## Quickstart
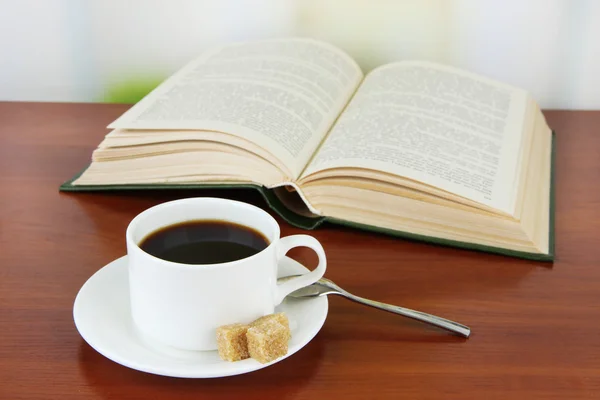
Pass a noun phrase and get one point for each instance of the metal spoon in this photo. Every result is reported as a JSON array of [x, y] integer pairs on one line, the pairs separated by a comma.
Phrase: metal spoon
[[324, 287]]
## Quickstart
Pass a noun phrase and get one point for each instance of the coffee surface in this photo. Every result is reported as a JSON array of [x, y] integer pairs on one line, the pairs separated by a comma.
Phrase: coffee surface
[[204, 242]]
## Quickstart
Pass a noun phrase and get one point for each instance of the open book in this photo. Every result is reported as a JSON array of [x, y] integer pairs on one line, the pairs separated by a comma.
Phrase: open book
[[413, 148]]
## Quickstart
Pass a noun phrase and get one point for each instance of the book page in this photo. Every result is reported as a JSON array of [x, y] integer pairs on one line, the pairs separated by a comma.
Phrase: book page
[[437, 125], [283, 95]]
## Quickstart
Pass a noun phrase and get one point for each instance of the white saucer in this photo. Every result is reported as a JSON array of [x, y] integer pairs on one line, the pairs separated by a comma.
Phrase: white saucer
[[102, 316]]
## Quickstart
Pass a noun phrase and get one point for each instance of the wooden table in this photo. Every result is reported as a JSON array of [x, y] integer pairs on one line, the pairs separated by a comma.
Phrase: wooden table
[[536, 326]]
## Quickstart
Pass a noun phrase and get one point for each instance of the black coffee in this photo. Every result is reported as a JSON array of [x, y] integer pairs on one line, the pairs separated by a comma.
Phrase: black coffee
[[204, 242]]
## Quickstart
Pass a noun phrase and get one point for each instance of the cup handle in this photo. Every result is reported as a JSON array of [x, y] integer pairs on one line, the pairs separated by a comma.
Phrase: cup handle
[[286, 244]]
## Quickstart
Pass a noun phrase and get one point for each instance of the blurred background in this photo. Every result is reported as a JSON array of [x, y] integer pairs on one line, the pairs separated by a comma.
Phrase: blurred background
[[119, 50]]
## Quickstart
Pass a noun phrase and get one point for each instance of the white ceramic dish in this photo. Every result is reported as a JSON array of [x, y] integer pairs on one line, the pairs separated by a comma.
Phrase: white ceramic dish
[[102, 317]]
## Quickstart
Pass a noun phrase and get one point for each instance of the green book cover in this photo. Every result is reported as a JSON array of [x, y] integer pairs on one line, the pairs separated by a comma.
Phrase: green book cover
[[310, 223]]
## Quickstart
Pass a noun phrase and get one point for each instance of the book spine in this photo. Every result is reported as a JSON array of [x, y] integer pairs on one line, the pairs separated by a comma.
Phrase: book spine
[[301, 195]]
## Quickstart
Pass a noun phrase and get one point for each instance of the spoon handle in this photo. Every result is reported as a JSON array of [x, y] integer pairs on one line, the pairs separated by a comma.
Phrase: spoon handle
[[443, 323]]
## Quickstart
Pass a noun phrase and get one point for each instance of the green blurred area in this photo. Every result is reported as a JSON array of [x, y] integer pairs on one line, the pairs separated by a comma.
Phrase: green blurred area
[[130, 90]]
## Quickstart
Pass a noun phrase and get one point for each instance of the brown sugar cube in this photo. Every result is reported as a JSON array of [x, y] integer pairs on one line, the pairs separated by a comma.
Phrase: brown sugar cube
[[232, 343], [279, 317], [268, 340]]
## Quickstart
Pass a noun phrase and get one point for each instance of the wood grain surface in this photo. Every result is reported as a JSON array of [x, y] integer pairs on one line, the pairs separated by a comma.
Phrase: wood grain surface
[[536, 326]]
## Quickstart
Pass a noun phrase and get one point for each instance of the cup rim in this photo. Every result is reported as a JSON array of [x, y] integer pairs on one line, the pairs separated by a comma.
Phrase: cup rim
[[132, 225]]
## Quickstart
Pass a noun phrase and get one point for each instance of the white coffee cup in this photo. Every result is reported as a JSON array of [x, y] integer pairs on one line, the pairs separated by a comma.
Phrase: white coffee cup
[[181, 305]]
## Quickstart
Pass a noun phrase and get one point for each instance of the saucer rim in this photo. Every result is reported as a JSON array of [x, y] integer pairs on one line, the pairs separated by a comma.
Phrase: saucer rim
[[241, 368]]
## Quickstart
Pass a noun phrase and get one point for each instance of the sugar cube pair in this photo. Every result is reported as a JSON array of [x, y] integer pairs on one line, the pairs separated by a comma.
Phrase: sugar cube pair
[[265, 339]]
